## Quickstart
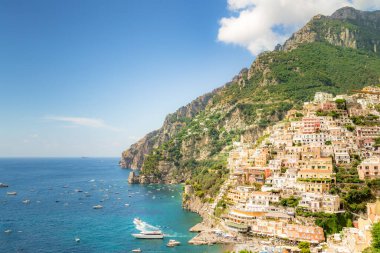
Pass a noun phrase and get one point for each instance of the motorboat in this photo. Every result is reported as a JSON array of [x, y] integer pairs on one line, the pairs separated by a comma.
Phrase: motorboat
[[136, 250], [173, 243], [11, 193], [98, 207], [77, 239], [149, 235], [3, 185], [26, 201]]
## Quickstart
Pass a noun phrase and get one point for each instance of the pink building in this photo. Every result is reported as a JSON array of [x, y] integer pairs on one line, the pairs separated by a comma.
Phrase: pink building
[[310, 125]]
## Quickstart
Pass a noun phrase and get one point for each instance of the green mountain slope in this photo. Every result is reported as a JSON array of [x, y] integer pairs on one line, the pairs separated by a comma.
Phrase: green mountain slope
[[193, 142]]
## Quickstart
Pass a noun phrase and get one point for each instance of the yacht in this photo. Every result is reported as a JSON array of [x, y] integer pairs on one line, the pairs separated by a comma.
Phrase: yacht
[[149, 235]]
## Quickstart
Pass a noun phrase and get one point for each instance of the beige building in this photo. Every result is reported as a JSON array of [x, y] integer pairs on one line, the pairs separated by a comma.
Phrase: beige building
[[369, 168], [240, 194]]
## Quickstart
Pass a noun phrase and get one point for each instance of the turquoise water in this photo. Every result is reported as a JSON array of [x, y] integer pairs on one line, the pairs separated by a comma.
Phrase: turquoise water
[[62, 193]]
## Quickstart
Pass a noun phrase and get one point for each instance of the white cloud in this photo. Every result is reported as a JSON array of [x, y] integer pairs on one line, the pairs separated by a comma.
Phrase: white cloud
[[81, 121], [260, 25], [366, 4]]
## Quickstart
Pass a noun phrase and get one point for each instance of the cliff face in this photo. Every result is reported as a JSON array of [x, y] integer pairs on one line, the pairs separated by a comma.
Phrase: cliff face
[[134, 156], [322, 56]]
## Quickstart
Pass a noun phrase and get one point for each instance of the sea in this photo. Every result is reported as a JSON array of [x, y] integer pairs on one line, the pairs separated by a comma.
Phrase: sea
[[54, 206]]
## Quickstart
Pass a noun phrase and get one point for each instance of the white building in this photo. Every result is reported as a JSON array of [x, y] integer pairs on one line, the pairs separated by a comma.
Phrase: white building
[[321, 97], [316, 202]]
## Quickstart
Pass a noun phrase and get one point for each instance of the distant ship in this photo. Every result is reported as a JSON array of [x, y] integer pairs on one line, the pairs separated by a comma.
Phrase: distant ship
[[149, 235]]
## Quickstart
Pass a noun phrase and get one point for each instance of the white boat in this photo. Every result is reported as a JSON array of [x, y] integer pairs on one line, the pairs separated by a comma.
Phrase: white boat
[[149, 235], [137, 221], [77, 239], [136, 250], [173, 243], [27, 201], [11, 193], [98, 207]]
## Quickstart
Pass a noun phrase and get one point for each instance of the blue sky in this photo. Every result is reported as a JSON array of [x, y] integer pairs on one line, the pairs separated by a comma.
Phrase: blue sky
[[87, 78], [90, 77]]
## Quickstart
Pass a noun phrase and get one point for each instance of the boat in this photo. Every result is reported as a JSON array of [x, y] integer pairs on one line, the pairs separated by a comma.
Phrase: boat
[[136, 250], [11, 193], [27, 201], [77, 239], [149, 235], [137, 221], [98, 207], [3, 185], [173, 243]]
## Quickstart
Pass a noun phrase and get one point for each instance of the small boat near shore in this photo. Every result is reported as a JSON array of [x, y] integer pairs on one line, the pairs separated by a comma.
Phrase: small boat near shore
[[173, 243], [149, 235]]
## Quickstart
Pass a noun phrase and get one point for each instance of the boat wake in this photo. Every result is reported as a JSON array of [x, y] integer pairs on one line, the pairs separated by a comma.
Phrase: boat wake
[[175, 235], [144, 226]]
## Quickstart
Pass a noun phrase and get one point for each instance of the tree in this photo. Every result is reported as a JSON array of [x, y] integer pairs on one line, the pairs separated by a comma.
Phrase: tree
[[289, 202], [376, 236], [341, 104], [304, 247], [375, 246]]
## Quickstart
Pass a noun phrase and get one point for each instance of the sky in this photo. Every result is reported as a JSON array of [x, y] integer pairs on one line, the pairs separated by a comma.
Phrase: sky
[[91, 77]]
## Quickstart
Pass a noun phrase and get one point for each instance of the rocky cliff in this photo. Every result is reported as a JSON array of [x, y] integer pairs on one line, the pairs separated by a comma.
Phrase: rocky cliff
[[134, 156], [333, 54], [346, 27]]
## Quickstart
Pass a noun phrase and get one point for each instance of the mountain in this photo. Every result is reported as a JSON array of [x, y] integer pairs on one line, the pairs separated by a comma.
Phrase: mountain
[[335, 54]]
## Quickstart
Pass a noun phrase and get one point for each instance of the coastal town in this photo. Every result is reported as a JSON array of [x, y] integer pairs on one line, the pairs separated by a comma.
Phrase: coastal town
[[303, 174]]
